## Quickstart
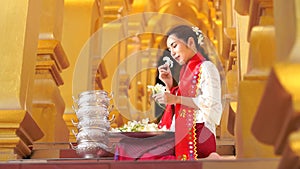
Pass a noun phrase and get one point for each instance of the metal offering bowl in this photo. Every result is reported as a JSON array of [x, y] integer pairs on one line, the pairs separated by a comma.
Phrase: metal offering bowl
[[90, 149], [93, 134], [91, 111], [95, 122]]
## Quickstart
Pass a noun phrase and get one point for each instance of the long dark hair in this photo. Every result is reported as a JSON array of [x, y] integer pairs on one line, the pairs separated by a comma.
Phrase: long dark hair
[[183, 32]]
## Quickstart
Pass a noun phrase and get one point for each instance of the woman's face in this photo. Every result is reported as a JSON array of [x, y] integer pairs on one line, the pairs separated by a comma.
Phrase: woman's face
[[180, 51]]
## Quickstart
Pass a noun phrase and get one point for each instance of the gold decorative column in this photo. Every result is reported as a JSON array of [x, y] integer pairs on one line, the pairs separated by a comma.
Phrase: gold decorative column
[[48, 105], [281, 99], [261, 38], [19, 38], [80, 20]]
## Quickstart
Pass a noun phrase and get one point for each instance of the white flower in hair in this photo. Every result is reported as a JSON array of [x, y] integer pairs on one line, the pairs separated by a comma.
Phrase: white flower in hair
[[199, 34]]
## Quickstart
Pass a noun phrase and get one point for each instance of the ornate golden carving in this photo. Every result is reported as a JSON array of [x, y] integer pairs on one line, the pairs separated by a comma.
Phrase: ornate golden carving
[[18, 130]]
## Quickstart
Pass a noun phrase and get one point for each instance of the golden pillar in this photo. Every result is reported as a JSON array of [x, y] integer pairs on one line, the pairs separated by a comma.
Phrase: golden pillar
[[48, 105], [80, 21], [261, 38], [281, 99], [19, 40]]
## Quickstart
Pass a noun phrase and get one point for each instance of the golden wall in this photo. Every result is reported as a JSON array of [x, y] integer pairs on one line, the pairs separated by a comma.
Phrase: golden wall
[[55, 49]]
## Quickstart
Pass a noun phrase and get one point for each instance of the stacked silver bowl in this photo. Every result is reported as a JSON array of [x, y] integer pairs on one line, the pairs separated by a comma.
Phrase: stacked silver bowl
[[92, 110]]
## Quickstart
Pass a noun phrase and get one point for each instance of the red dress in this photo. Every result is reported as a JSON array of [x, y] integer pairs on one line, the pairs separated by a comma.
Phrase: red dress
[[192, 140]]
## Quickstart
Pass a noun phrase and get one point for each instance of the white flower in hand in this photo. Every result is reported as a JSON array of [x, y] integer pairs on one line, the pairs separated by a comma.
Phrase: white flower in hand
[[158, 88], [168, 61]]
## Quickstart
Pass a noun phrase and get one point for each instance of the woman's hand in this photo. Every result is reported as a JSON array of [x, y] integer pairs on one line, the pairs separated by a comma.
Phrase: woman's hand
[[165, 75], [168, 98], [165, 98]]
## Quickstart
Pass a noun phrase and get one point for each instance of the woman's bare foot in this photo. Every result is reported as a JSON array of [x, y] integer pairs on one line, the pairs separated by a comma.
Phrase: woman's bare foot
[[214, 155]]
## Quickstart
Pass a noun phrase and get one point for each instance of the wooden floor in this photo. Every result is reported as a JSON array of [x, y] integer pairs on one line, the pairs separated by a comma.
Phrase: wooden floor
[[56, 157], [110, 164], [68, 159]]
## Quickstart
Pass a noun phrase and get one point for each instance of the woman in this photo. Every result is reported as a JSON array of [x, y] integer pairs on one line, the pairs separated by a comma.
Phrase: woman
[[194, 106]]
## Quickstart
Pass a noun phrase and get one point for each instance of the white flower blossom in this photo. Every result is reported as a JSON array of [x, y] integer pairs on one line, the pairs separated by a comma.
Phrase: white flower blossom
[[199, 35], [158, 88], [168, 61]]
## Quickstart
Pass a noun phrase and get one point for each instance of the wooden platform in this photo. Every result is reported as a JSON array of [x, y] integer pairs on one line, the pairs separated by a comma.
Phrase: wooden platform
[[225, 147], [110, 164]]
